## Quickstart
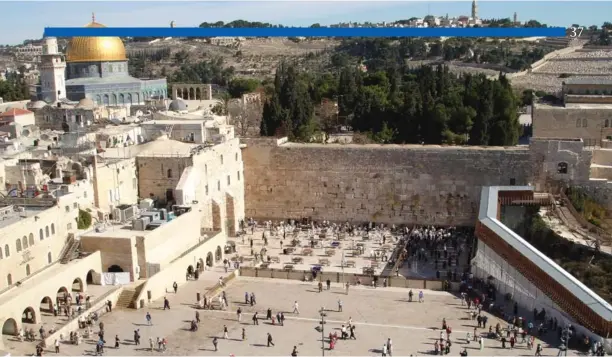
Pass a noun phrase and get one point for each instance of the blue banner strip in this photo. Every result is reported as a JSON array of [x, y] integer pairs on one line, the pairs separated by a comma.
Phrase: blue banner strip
[[303, 32]]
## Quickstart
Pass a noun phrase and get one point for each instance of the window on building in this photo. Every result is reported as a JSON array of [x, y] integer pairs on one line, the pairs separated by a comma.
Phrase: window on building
[[134, 183], [238, 175], [67, 208], [75, 205], [206, 190], [24, 242], [1, 254], [205, 169], [584, 123], [228, 180], [84, 194], [40, 233], [562, 167], [219, 185], [31, 239], [53, 228], [7, 250], [578, 123], [49, 258], [27, 269], [18, 245], [9, 279], [236, 156], [69, 226], [169, 173], [221, 159], [47, 232], [607, 123]]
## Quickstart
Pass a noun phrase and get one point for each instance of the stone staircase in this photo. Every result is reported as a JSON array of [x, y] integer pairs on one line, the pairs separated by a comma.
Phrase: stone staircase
[[127, 298], [71, 251]]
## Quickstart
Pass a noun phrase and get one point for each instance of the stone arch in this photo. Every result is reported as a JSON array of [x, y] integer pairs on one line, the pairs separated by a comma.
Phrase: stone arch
[[209, 259], [185, 93], [61, 295], [18, 245], [89, 279], [191, 93], [77, 285], [129, 98], [113, 99], [98, 99], [200, 265], [24, 242], [46, 305], [121, 99], [106, 99], [31, 239], [28, 316], [7, 250], [198, 93], [9, 327], [169, 173], [52, 228], [218, 254], [115, 269], [41, 234], [28, 271], [9, 279]]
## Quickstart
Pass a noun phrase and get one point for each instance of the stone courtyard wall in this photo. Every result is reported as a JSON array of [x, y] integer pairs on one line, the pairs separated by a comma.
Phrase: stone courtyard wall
[[392, 184]]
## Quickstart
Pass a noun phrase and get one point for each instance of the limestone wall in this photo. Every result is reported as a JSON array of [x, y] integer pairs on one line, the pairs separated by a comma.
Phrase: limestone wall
[[558, 122], [360, 183]]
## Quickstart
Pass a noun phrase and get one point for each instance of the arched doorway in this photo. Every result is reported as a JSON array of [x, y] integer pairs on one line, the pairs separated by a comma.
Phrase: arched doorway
[[201, 265], [218, 254], [77, 285], [9, 327], [90, 277], [28, 316], [115, 269], [46, 305], [209, 259]]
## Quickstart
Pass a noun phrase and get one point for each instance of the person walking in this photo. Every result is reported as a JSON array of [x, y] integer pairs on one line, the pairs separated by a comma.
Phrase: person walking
[[197, 317], [239, 314], [175, 287], [243, 334], [151, 344], [57, 346], [225, 332], [215, 342], [166, 303], [296, 308], [148, 318], [270, 340], [339, 305]]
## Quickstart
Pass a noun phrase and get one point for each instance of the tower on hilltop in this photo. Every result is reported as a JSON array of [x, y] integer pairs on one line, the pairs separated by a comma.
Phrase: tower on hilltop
[[52, 72], [474, 10], [515, 19]]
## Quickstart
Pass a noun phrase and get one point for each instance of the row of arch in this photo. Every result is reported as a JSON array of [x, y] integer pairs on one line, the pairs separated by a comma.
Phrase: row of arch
[[27, 241], [210, 261], [33, 314], [129, 98], [192, 93], [583, 123]]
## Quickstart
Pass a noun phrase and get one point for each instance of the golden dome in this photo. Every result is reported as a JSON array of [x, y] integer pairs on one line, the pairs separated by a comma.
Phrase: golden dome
[[95, 49]]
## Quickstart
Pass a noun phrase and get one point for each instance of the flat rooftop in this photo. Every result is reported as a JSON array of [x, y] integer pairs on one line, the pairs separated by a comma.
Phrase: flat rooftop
[[119, 231], [550, 106], [9, 216]]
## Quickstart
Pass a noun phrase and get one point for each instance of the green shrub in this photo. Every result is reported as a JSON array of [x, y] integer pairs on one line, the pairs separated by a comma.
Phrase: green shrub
[[84, 219]]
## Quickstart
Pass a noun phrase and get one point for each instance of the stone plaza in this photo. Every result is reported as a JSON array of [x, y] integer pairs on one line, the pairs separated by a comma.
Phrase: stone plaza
[[378, 314]]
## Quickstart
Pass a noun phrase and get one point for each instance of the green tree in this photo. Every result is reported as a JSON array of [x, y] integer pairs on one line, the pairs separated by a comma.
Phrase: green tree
[[239, 86]]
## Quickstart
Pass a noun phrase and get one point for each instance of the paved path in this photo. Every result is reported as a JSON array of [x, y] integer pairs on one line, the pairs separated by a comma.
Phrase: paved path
[[378, 314]]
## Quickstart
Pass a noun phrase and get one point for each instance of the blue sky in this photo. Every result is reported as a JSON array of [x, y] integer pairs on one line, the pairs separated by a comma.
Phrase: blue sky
[[27, 19]]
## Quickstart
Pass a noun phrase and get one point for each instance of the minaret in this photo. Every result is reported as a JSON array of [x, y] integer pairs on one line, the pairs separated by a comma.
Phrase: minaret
[[52, 72], [515, 19], [474, 10]]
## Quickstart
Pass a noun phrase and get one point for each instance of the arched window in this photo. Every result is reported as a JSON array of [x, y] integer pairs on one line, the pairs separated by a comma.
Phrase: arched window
[[221, 159], [7, 250], [219, 185], [9, 279], [24, 242], [205, 169], [169, 173], [1, 255], [28, 270], [238, 174], [40, 233], [53, 225], [31, 239], [607, 123], [584, 123], [562, 167], [236, 156], [578, 123], [18, 245], [47, 232], [49, 257]]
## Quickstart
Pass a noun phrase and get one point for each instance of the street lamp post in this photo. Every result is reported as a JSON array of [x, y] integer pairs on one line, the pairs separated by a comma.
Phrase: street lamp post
[[323, 314]]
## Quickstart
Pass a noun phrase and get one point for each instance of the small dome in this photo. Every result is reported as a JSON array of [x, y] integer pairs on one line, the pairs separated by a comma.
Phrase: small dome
[[177, 105], [86, 103]]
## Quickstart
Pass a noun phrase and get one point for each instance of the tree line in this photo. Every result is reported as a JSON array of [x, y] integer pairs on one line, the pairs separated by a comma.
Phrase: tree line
[[395, 104], [14, 87]]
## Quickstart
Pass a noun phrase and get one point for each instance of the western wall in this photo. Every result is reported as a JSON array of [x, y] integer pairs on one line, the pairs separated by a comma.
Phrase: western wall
[[394, 184]]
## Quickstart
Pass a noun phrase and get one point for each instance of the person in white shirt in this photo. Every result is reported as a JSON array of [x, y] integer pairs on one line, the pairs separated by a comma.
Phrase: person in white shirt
[[296, 308]]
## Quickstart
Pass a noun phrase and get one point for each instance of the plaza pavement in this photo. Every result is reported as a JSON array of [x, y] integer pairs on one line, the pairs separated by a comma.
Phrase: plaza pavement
[[378, 314]]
